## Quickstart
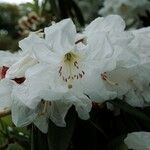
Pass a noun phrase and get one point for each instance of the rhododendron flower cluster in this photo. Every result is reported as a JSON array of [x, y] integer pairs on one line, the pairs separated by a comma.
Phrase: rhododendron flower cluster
[[65, 68], [130, 10]]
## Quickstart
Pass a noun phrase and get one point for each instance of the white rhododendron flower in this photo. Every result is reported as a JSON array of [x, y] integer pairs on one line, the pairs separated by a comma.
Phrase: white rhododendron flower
[[125, 59], [68, 69], [6, 60], [132, 83], [52, 73], [140, 44], [138, 140], [128, 9]]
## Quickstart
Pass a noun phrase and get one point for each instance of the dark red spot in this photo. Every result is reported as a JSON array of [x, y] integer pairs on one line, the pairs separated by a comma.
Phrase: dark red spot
[[3, 71], [95, 105], [19, 80]]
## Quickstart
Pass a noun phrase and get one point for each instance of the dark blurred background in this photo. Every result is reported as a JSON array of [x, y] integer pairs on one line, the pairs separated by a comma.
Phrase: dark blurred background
[[18, 19]]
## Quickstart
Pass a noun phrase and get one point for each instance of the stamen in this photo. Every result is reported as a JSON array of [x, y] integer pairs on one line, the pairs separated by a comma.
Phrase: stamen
[[60, 69], [45, 107], [79, 41], [70, 69], [105, 77], [76, 64], [80, 75]]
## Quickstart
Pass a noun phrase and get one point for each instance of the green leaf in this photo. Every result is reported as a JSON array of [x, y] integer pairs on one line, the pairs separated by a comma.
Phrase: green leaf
[[59, 137], [130, 110], [14, 146]]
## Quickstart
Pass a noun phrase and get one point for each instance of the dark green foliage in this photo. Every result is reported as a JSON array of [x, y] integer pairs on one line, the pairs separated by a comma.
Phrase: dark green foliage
[[66, 8], [13, 138], [9, 15], [104, 131]]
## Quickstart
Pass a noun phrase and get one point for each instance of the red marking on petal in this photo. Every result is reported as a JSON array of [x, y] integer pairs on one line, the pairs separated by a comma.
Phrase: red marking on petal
[[3, 71], [19, 80], [95, 105]]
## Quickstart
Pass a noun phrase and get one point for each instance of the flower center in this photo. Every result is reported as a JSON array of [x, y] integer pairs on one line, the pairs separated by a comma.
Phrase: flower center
[[70, 68]]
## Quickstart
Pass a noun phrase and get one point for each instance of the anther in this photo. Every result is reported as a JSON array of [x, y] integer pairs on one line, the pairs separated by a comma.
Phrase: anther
[[83, 72], [76, 64], [104, 77], [80, 75], [45, 107], [60, 69]]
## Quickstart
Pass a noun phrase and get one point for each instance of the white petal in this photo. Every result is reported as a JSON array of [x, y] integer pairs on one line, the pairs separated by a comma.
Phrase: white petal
[[27, 96], [27, 43], [18, 69], [7, 58], [21, 114], [138, 140], [42, 123], [109, 24], [100, 49], [58, 112], [43, 53], [134, 99], [83, 106], [5, 94], [61, 35], [95, 88]]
